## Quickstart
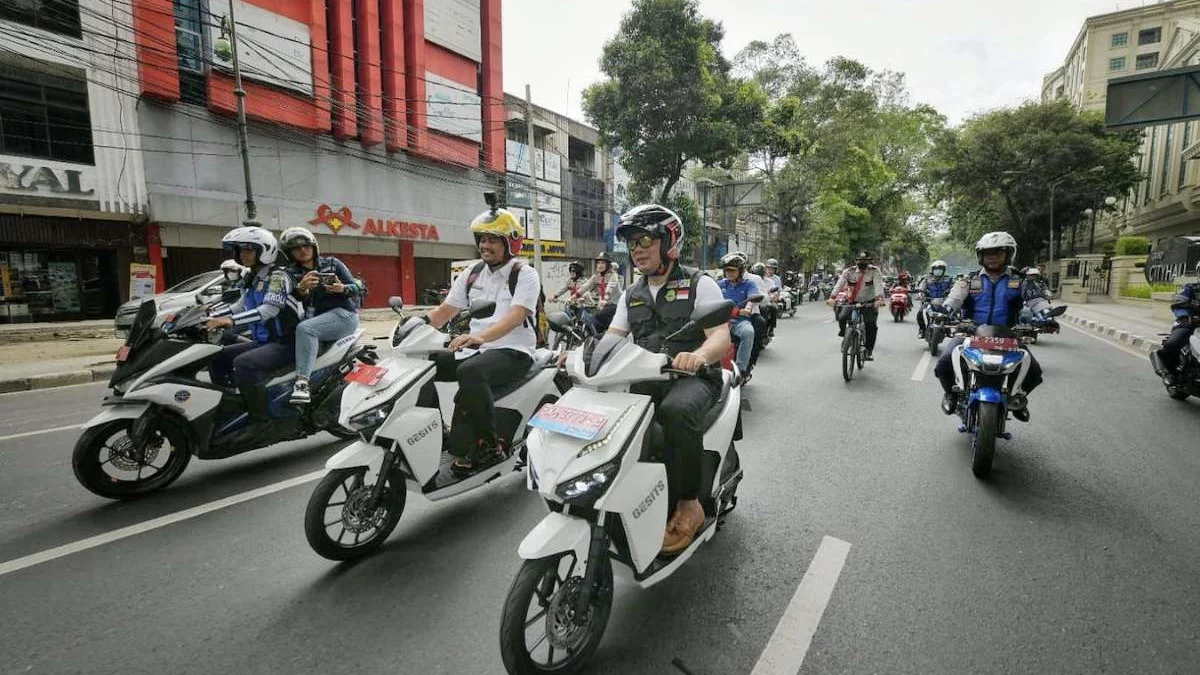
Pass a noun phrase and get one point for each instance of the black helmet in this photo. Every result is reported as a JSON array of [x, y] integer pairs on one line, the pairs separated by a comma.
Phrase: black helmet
[[575, 268], [758, 268]]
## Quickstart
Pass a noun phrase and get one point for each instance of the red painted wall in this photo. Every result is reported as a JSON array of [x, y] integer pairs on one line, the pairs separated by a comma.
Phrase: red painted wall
[[154, 246], [157, 54], [414, 76], [341, 66], [493, 86], [449, 65], [381, 272], [369, 75], [395, 123]]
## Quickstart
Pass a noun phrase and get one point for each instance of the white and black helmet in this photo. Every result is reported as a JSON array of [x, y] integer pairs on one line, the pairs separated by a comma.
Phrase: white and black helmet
[[297, 236], [734, 259], [657, 221], [771, 262], [933, 266], [994, 240], [258, 238]]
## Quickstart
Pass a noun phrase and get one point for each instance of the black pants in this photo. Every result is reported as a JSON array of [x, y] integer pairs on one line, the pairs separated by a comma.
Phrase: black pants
[[474, 406], [760, 334], [249, 364], [604, 316], [771, 316], [682, 405], [870, 317], [921, 318], [1174, 345], [944, 370]]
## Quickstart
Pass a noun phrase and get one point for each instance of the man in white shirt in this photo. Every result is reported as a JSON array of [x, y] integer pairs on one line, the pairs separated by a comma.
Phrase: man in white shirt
[[496, 349], [651, 311]]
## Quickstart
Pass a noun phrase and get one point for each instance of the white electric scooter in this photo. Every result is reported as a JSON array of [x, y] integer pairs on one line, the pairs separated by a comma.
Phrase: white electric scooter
[[596, 458], [402, 444]]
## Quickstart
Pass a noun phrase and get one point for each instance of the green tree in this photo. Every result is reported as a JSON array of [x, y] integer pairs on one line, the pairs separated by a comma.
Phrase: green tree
[[669, 98], [995, 171]]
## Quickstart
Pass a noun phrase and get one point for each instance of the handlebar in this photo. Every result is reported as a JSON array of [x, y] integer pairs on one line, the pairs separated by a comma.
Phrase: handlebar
[[702, 371]]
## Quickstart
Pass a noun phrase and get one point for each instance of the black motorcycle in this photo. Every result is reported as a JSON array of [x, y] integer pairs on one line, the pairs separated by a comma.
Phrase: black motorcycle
[[1184, 381]]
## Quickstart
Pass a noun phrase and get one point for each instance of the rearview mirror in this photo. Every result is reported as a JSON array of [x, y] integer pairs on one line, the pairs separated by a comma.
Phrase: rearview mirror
[[559, 322], [482, 309], [757, 297], [712, 314], [231, 296], [396, 303], [1058, 311]]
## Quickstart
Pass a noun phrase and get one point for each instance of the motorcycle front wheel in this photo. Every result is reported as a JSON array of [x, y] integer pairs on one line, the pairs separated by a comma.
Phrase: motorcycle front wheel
[[337, 522], [933, 335], [106, 462], [984, 441], [541, 602]]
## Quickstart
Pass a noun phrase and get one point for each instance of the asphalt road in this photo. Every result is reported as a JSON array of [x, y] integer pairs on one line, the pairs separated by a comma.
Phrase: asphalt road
[[1079, 555]]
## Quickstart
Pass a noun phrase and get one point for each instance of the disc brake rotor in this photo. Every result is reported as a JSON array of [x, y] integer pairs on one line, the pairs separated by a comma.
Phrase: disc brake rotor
[[124, 456], [561, 628], [355, 515]]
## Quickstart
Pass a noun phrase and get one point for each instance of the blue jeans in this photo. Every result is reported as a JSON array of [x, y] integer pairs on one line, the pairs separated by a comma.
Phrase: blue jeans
[[742, 333], [335, 324]]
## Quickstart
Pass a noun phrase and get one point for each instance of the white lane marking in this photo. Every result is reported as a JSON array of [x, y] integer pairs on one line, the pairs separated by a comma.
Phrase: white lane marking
[[829, 320], [922, 367], [41, 431], [153, 524], [785, 651], [1110, 343]]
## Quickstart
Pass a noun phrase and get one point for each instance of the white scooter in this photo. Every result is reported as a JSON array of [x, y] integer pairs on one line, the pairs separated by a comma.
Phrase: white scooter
[[402, 446], [596, 458]]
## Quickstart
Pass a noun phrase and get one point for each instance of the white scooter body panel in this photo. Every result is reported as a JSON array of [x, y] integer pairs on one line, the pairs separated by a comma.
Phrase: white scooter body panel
[[627, 364], [557, 533], [720, 434], [1194, 343], [527, 398], [358, 453], [191, 402], [420, 342], [332, 356], [193, 353], [117, 412], [417, 432], [358, 398]]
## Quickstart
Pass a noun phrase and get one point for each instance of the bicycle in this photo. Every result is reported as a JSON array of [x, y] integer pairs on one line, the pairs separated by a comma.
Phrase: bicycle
[[854, 344]]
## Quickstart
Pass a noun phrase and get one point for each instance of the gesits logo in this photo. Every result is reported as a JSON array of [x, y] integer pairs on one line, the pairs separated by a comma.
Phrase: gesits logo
[[334, 220]]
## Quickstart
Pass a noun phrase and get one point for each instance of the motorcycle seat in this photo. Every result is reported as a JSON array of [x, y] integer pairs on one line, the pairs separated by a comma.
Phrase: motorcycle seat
[[540, 361]]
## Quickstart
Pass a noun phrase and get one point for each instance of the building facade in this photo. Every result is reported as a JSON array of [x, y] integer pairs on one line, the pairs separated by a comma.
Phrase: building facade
[[73, 199], [1161, 36], [377, 123]]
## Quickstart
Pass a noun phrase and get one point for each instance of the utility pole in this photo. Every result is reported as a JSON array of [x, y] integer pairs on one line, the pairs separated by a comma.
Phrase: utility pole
[[535, 224], [231, 48]]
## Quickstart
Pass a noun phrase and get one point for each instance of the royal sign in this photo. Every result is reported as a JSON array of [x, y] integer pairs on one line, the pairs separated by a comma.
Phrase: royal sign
[[373, 227]]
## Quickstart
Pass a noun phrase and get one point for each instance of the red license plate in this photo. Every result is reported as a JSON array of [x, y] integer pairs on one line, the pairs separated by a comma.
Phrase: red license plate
[[996, 344], [122, 353], [365, 374]]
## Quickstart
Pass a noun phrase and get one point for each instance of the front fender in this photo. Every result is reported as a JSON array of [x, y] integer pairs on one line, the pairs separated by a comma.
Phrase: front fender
[[557, 533], [358, 453], [119, 411], [987, 395]]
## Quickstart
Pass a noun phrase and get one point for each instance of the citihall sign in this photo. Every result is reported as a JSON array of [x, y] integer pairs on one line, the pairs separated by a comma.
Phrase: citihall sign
[[343, 218]]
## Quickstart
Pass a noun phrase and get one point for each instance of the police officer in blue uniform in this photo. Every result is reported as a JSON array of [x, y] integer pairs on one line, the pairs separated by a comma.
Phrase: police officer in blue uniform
[[268, 312], [994, 296], [1186, 307], [935, 286]]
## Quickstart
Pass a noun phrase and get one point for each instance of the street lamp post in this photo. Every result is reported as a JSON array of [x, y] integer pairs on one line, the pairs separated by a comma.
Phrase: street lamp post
[[226, 48], [1053, 186]]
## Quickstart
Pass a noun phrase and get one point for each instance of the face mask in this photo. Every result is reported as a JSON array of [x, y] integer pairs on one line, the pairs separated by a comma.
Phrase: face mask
[[939, 272], [863, 265]]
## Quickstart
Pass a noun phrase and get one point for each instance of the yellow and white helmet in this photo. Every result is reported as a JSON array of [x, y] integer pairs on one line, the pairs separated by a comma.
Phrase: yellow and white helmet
[[501, 223]]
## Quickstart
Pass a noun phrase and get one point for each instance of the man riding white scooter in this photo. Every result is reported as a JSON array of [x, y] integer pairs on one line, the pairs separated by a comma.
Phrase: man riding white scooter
[[655, 307], [498, 348]]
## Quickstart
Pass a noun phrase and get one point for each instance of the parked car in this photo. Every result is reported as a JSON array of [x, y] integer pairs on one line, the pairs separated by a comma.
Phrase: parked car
[[206, 286]]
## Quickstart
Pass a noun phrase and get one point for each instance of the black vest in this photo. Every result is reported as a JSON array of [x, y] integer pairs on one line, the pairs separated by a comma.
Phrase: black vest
[[651, 320]]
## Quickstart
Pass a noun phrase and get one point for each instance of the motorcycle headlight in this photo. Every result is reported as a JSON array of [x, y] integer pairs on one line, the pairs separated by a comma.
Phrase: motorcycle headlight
[[590, 486], [371, 418]]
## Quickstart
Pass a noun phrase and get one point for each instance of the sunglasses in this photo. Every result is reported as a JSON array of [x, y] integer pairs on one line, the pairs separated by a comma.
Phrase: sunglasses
[[644, 241]]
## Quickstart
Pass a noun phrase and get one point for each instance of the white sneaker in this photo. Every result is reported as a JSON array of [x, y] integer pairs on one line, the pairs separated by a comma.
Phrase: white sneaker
[[300, 395]]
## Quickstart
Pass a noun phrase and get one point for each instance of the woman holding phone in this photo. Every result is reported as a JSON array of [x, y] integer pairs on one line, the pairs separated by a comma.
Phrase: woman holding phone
[[328, 291]]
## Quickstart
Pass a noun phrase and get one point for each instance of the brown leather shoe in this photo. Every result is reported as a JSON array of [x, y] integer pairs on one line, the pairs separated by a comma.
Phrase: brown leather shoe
[[682, 528]]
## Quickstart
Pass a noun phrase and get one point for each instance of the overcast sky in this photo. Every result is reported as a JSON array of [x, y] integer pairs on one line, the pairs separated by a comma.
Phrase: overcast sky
[[961, 56]]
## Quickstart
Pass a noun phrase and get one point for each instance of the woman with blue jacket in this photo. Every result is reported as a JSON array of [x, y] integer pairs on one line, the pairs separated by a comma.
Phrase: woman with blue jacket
[[328, 291]]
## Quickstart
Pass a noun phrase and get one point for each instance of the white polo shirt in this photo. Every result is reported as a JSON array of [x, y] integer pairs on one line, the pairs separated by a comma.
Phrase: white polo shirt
[[493, 285]]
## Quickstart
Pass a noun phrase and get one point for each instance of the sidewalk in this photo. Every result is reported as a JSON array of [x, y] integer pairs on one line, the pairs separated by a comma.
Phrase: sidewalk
[[43, 355], [1130, 326]]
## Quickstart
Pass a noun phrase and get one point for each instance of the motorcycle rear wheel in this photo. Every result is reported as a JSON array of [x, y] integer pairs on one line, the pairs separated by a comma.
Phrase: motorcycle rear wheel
[[541, 586], [383, 520], [983, 443], [88, 464]]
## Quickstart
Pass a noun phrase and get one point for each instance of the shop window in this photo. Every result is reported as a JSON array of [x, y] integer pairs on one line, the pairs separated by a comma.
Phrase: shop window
[[49, 285], [56, 16], [44, 115]]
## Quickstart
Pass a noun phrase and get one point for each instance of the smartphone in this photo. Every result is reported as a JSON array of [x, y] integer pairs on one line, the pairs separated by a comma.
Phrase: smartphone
[[327, 278]]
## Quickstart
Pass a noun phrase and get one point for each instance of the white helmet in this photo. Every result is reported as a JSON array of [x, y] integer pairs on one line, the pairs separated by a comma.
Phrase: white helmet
[[991, 240], [936, 264], [258, 238], [1033, 272], [297, 236], [233, 270], [734, 259]]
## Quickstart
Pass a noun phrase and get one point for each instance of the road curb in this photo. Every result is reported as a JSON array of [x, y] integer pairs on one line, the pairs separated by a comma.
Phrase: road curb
[[1122, 337], [98, 373]]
